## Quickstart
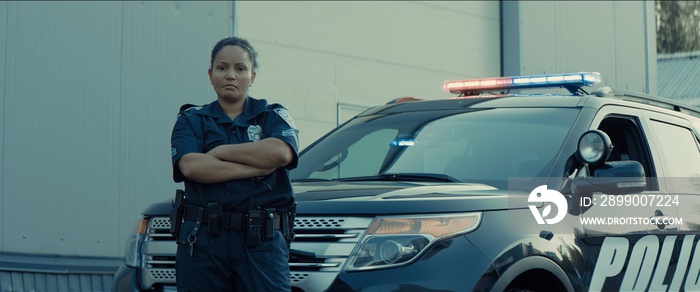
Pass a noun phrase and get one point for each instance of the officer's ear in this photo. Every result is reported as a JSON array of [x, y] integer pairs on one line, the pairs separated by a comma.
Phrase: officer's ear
[[252, 79], [209, 73]]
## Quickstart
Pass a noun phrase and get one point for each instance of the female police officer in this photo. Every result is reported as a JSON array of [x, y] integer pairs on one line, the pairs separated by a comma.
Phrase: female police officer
[[234, 155]]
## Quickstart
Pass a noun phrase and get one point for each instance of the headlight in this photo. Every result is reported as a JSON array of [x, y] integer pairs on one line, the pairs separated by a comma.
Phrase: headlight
[[131, 253], [398, 240]]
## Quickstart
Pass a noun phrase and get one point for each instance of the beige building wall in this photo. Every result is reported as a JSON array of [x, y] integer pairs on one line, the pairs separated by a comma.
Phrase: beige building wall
[[615, 38], [328, 60]]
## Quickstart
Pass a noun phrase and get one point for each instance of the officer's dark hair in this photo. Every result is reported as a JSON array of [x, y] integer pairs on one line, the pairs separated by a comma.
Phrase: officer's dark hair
[[235, 41]]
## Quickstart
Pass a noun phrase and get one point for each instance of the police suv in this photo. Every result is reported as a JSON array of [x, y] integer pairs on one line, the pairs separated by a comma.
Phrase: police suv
[[487, 191]]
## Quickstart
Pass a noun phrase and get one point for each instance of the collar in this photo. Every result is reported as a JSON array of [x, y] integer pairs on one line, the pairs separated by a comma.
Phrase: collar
[[252, 108]]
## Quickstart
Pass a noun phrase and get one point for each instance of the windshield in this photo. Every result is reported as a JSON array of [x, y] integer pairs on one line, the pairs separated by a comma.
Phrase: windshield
[[482, 146]]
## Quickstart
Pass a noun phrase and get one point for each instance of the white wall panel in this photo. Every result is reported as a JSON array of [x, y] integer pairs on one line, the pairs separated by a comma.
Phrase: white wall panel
[[610, 37], [316, 54]]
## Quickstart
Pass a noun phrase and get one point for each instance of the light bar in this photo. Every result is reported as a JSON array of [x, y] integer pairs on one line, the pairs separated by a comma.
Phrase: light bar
[[500, 83]]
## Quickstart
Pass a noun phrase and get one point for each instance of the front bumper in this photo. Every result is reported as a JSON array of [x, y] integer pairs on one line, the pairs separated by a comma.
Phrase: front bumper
[[451, 265], [125, 279]]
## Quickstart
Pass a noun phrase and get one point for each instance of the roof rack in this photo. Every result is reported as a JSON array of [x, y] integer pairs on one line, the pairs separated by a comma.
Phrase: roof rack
[[667, 103]]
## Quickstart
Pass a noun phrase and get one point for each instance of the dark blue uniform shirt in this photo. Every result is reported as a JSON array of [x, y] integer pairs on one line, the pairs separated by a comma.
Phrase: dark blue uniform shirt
[[200, 129]]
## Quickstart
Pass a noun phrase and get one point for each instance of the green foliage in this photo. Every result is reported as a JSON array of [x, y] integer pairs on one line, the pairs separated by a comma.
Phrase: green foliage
[[677, 26]]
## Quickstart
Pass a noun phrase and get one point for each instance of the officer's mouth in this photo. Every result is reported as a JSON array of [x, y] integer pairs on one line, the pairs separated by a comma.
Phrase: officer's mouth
[[230, 86]]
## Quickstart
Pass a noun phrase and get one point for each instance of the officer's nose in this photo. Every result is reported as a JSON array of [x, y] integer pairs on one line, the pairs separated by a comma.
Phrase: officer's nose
[[231, 74]]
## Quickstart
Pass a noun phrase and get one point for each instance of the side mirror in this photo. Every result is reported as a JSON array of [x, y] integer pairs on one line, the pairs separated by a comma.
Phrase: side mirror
[[614, 178]]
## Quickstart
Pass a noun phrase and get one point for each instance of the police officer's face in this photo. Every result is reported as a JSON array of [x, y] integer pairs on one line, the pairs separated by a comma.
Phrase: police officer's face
[[232, 74]]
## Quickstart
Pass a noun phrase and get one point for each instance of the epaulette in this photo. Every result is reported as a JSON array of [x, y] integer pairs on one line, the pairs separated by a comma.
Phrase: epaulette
[[186, 107], [274, 106]]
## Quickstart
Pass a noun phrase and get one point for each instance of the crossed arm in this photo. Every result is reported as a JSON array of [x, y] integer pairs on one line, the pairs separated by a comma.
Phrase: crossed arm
[[236, 161]]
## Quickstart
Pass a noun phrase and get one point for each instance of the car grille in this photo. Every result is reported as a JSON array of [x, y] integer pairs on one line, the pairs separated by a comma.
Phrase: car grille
[[158, 254], [332, 239]]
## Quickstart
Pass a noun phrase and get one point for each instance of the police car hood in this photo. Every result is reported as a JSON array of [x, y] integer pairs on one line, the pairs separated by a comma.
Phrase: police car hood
[[402, 197]]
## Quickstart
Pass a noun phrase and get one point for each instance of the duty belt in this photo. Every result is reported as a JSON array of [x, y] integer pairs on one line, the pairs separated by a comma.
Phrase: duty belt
[[229, 220]]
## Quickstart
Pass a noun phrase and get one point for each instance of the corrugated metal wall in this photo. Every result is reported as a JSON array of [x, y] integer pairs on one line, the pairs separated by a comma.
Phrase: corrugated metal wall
[[28, 272], [89, 95], [674, 73], [13, 281]]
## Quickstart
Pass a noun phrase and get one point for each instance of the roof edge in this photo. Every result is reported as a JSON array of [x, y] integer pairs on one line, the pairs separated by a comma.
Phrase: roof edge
[[680, 55]]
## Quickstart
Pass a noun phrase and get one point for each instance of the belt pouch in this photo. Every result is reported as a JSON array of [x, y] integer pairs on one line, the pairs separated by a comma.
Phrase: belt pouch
[[284, 226], [177, 210], [288, 224], [214, 219], [269, 223]]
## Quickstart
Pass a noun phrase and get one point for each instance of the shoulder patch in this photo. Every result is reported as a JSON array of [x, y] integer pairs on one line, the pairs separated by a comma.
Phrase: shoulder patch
[[282, 112]]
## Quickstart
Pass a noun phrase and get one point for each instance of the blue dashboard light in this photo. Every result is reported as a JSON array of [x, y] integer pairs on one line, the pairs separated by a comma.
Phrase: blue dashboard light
[[403, 142]]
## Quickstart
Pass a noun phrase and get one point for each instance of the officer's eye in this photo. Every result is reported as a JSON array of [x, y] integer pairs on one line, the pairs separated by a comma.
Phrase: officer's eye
[[242, 69], [221, 68]]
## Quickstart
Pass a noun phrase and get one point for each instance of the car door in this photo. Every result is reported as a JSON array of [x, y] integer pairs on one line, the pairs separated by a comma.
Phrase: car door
[[621, 234], [678, 142]]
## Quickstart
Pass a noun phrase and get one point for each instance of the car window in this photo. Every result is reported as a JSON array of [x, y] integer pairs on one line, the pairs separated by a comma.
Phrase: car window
[[629, 144], [679, 149], [483, 146]]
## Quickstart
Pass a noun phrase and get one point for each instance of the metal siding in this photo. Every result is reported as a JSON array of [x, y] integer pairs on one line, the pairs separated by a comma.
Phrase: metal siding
[[511, 59], [60, 127], [609, 37], [27, 281], [90, 94], [677, 76], [552, 40], [650, 47], [3, 122], [630, 44]]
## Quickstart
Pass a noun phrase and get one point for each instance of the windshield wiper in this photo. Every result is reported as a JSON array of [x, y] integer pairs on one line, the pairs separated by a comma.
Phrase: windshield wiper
[[417, 176], [310, 179]]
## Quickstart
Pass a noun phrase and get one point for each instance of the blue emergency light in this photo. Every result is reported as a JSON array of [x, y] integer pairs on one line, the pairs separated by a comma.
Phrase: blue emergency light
[[571, 81]]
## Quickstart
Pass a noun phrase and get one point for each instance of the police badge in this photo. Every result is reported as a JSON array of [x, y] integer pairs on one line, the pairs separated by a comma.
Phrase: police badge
[[254, 133]]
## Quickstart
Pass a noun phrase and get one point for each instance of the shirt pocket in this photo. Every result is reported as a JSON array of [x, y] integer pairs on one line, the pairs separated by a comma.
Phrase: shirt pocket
[[212, 136]]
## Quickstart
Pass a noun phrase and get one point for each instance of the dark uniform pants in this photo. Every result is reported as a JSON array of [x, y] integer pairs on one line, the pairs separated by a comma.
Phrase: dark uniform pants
[[222, 263]]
